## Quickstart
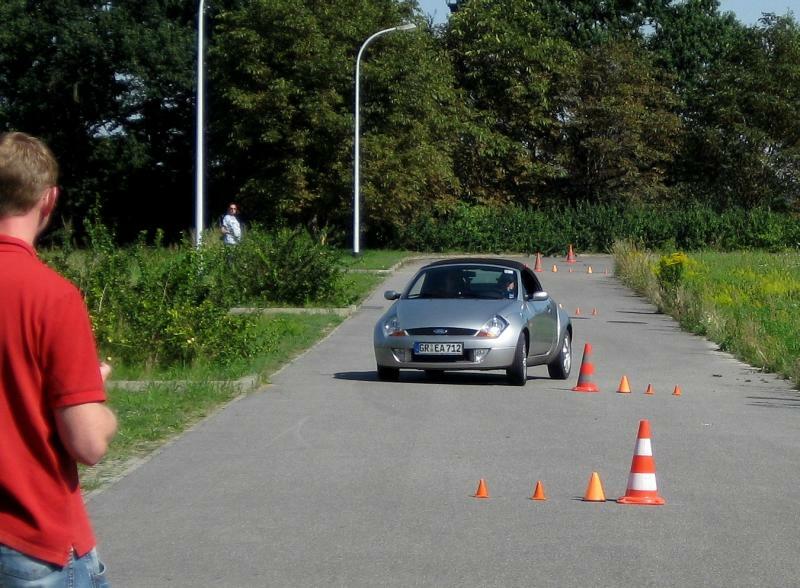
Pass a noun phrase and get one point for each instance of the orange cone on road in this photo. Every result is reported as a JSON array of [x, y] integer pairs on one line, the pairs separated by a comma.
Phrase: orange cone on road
[[624, 387], [642, 488], [594, 312], [594, 491], [650, 391], [571, 255], [585, 383], [482, 491], [589, 271], [555, 268], [538, 492], [538, 265], [578, 311], [677, 391]]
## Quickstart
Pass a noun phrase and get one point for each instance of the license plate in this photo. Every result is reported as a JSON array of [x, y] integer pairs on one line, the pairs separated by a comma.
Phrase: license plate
[[438, 348]]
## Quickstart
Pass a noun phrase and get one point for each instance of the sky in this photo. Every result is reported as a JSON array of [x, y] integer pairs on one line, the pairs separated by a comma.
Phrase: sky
[[747, 11]]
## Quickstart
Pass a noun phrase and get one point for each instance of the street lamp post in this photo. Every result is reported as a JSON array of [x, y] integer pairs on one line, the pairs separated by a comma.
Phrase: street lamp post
[[357, 156], [199, 187]]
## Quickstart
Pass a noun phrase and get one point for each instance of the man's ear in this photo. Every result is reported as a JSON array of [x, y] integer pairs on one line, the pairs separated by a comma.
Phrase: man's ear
[[49, 200]]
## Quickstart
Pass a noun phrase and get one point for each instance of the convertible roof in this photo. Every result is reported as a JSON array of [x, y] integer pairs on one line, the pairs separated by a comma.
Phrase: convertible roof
[[481, 261]]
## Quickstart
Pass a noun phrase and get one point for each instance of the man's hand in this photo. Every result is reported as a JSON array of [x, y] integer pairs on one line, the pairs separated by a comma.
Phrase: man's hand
[[105, 370], [87, 429]]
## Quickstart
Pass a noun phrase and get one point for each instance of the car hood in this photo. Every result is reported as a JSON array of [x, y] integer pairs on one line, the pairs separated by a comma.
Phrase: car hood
[[466, 313]]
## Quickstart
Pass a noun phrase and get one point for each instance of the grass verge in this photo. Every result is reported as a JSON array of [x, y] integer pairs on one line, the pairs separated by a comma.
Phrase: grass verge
[[747, 302]]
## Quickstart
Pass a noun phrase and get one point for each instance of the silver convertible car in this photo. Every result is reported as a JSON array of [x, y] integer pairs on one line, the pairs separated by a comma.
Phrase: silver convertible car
[[473, 314]]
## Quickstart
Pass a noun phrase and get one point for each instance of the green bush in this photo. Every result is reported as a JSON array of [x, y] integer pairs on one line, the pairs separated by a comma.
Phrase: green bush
[[163, 307], [287, 266]]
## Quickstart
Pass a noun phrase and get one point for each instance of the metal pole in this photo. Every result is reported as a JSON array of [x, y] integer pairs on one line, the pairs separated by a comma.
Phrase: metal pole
[[200, 146], [356, 142]]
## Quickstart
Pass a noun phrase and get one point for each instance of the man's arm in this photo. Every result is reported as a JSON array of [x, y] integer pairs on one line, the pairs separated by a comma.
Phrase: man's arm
[[87, 429]]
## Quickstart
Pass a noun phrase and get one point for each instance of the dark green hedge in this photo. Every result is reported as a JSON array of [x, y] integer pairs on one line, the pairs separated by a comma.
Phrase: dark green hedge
[[596, 227]]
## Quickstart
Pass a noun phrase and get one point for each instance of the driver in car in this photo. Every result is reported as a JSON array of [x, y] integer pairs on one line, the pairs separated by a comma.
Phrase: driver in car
[[509, 284]]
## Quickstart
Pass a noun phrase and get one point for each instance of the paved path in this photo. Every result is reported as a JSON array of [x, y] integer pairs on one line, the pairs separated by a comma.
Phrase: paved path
[[331, 478]]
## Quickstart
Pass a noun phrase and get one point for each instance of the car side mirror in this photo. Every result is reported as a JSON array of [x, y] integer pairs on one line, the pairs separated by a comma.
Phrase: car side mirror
[[539, 296], [391, 295]]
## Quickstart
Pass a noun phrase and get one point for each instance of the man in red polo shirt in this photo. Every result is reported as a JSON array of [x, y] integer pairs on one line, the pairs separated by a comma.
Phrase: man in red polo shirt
[[52, 411]]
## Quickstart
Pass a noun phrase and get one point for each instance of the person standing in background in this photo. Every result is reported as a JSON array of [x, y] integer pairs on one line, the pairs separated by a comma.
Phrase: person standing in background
[[52, 389], [230, 226]]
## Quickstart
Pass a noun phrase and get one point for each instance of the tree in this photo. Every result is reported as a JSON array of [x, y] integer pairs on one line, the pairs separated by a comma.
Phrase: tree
[[110, 86], [516, 75], [744, 145], [284, 70], [623, 131]]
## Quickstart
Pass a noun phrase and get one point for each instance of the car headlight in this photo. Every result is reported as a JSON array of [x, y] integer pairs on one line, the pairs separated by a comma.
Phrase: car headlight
[[493, 327], [391, 328]]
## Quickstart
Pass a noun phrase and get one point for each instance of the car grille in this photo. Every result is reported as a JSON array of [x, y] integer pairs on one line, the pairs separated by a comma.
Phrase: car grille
[[451, 331]]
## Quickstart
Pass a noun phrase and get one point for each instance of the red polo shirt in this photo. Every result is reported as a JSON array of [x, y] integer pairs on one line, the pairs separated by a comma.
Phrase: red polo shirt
[[48, 359]]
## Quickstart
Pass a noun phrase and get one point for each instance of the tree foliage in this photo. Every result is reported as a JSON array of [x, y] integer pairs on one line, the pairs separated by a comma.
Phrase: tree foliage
[[623, 132], [285, 72], [517, 77], [520, 102]]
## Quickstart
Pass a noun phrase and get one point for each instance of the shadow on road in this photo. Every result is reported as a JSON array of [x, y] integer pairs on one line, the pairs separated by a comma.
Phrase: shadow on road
[[773, 402], [419, 377]]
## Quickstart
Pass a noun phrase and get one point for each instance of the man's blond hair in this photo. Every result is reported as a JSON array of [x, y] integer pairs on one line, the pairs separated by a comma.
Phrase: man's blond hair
[[27, 168]]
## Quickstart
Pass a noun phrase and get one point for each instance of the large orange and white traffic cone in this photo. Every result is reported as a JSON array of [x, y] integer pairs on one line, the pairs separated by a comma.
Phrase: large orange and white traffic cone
[[538, 265], [642, 480], [585, 383], [571, 255]]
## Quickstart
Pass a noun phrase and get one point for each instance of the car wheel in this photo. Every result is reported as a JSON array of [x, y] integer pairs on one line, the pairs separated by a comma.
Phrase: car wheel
[[518, 372], [560, 367], [388, 374]]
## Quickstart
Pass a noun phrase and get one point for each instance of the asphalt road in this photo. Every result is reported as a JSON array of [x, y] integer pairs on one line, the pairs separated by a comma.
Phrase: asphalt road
[[331, 478]]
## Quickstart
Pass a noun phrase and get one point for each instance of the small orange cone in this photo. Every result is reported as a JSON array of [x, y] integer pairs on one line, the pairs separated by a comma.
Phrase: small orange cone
[[571, 255], [555, 268], [624, 388], [538, 265], [677, 391], [587, 370], [538, 492], [650, 390], [578, 311], [594, 312], [482, 491], [571, 270], [589, 271], [594, 491], [642, 488]]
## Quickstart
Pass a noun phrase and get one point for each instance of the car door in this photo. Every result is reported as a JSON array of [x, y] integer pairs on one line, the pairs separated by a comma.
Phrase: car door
[[541, 313]]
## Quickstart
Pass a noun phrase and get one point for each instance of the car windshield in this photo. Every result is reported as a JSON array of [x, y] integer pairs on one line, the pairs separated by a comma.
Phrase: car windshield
[[464, 281]]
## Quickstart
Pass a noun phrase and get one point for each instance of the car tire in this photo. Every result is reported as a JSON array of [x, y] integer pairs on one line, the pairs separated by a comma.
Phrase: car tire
[[561, 365], [388, 374], [518, 372]]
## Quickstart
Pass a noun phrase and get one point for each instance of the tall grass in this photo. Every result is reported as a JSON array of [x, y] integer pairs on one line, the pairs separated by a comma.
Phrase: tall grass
[[748, 302]]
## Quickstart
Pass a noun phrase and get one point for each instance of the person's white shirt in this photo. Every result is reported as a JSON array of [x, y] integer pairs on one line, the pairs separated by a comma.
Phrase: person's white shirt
[[231, 230]]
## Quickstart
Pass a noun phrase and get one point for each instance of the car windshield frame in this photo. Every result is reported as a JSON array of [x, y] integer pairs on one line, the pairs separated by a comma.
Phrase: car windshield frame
[[464, 281]]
